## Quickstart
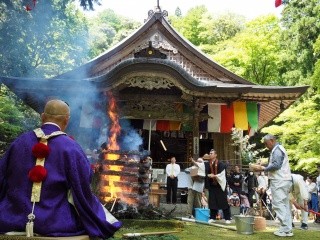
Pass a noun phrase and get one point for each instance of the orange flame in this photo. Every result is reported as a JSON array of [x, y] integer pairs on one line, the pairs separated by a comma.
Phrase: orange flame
[[115, 126], [112, 145]]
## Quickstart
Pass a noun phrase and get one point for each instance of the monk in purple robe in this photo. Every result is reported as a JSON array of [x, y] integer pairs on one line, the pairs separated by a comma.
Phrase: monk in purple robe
[[45, 184]]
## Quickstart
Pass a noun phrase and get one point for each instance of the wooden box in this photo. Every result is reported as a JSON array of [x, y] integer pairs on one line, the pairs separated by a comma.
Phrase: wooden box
[[194, 171]]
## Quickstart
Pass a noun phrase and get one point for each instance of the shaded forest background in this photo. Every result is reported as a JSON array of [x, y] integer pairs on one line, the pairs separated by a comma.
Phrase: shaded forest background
[[57, 36]]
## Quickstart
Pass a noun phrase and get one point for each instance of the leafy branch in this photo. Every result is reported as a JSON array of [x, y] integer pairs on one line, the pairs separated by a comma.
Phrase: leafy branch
[[245, 150]]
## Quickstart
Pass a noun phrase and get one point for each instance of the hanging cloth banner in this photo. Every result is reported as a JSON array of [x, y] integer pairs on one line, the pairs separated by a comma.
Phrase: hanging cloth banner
[[240, 115], [253, 117], [214, 121], [146, 124], [163, 125], [174, 125], [227, 118], [278, 3]]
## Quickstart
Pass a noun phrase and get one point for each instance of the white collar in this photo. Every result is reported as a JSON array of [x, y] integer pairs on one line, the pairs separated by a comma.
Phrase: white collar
[[52, 123]]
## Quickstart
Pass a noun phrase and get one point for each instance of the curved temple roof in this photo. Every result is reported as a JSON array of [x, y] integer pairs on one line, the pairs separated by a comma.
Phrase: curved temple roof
[[184, 68]]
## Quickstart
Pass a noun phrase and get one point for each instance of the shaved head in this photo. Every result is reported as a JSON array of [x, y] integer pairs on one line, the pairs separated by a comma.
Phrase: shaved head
[[56, 107], [56, 111]]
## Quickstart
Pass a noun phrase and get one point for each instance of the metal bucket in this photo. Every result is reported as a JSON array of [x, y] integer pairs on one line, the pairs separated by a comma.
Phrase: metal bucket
[[244, 224]]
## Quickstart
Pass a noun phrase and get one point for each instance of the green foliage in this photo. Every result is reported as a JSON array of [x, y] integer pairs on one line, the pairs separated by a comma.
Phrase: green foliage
[[223, 27], [204, 30], [107, 29], [300, 20], [88, 4], [247, 151], [194, 25], [298, 130], [15, 118], [253, 52], [34, 44], [299, 126], [178, 12], [316, 73], [263, 51]]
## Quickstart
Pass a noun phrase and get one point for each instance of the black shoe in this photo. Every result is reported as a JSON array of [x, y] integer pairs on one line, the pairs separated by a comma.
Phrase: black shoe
[[293, 225], [304, 226]]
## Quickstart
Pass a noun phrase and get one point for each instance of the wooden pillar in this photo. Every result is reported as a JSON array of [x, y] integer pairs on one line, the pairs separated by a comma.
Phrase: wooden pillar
[[189, 137], [195, 129]]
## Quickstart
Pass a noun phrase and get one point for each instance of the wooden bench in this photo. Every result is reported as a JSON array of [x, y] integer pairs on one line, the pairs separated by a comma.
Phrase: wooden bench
[[155, 193]]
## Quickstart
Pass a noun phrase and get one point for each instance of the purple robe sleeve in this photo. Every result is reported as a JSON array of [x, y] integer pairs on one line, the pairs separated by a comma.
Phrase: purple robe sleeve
[[93, 215], [68, 171]]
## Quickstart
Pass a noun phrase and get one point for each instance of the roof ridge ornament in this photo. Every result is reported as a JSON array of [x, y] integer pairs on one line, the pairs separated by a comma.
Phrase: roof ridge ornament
[[157, 8], [157, 11]]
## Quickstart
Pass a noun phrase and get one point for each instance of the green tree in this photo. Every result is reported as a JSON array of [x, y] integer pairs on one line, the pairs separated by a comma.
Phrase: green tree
[[224, 26], [35, 44], [298, 129], [253, 53], [300, 20], [205, 30], [107, 29], [15, 118], [88, 4], [46, 41], [193, 25], [316, 73], [178, 12]]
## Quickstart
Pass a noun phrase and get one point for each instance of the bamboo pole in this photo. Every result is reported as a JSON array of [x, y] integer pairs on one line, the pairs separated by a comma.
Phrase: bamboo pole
[[130, 235], [114, 202], [210, 224]]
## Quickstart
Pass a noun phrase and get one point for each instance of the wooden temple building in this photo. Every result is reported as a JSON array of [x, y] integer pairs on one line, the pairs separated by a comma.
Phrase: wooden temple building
[[182, 102]]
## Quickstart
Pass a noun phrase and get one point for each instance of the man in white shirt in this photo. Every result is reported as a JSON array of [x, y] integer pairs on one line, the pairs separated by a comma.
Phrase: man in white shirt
[[172, 171], [279, 175], [197, 187]]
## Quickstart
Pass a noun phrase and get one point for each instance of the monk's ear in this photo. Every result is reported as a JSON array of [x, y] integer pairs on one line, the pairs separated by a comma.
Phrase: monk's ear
[[66, 120], [43, 117]]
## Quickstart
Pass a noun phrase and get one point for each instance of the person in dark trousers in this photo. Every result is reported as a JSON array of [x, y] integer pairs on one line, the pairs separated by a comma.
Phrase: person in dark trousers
[[216, 182], [252, 183], [172, 171]]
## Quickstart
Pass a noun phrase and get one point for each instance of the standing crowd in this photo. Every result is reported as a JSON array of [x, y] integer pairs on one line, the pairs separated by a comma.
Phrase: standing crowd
[[45, 185], [269, 186]]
